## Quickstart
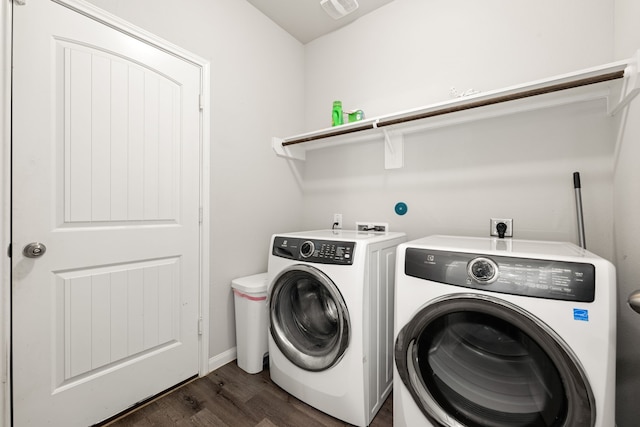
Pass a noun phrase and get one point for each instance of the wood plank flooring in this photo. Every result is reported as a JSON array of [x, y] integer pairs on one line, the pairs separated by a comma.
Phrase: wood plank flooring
[[230, 397]]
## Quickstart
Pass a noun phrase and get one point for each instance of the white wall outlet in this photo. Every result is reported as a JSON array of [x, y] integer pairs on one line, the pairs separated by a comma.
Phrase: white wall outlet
[[372, 226], [494, 228], [337, 220]]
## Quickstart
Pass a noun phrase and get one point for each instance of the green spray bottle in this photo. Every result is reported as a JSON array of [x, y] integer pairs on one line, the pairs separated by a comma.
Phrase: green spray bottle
[[336, 114]]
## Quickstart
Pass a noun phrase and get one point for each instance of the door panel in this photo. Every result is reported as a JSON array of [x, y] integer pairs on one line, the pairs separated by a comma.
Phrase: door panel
[[109, 314], [129, 169], [106, 173]]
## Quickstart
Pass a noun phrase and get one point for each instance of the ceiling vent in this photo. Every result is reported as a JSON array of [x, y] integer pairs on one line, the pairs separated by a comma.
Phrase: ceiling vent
[[338, 8]]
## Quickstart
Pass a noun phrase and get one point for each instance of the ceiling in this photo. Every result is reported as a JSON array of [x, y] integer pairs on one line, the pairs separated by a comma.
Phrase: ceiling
[[306, 20]]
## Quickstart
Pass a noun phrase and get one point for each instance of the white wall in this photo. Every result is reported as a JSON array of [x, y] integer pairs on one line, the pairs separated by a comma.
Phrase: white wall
[[627, 260], [627, 232], [627, 32], [410, 53], [456, 178], [257, 92]]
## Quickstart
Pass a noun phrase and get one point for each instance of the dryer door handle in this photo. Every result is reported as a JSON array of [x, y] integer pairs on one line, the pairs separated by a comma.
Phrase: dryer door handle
[[634, 301]]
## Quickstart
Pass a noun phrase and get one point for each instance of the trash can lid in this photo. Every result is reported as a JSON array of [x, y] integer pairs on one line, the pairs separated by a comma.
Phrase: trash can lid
[[256, 284]]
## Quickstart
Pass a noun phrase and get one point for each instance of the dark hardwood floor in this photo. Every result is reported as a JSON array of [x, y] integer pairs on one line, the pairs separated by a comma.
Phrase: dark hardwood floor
[[230, 397]]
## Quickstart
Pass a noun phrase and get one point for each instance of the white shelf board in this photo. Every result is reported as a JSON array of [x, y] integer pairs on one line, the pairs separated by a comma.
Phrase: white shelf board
[[602, 82]]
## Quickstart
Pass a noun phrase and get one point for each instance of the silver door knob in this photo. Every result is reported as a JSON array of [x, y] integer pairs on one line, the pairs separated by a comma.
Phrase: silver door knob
[[34, 250], [634, 301]]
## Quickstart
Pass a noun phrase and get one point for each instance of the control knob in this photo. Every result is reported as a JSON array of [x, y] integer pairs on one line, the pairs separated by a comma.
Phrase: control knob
[[307, 248], [483, 270]]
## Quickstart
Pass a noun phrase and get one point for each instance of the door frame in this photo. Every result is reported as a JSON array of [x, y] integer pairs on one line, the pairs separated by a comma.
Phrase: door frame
[[5, 212], [87, 9]]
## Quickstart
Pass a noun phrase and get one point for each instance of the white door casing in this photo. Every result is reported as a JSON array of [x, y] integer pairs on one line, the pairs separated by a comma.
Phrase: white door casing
[[110, 173], [5, 210]]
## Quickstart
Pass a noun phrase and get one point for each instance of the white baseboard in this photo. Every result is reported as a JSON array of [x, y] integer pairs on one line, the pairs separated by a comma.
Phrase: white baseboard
[[222, 359]]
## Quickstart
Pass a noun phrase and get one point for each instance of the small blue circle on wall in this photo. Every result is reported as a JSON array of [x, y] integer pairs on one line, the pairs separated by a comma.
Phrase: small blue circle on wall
[[401, 208]]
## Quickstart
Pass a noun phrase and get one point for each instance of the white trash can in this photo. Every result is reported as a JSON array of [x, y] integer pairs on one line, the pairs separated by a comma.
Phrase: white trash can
[[250, 298]]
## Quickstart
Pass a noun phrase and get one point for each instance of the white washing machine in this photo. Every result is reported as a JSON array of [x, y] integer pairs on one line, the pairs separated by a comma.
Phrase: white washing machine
[[503, 333], [331, 305]]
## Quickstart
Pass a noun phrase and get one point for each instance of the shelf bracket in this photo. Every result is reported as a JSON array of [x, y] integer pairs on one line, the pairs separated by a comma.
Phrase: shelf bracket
[[630, 88], [393, 149], [290, 152]]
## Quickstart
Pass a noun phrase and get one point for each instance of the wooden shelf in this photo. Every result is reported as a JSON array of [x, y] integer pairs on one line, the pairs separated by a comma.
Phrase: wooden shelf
[[605, 81]]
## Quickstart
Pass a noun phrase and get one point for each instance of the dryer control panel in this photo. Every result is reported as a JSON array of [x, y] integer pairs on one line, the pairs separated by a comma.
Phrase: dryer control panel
[[313, 250], [559, 280]]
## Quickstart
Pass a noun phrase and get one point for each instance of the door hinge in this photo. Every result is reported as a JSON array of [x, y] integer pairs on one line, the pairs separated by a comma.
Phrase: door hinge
[[200, 326], [9, 251], [201, 102]]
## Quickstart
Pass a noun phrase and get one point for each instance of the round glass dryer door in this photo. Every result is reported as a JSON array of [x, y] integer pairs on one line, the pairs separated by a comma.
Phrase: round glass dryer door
[[309, 318], [478, 361]]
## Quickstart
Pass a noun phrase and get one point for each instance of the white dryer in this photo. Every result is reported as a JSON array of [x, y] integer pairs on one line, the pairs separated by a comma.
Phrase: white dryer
[[503, 333], [331, 305]]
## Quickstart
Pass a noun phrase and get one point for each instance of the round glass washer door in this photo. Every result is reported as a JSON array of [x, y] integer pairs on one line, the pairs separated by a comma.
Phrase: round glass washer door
[[309, 318], [471, 360]]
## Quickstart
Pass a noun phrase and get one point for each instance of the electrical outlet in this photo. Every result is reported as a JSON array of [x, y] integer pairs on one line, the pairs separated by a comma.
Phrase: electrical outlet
[[372, 226], [337, 220], [493, 227]]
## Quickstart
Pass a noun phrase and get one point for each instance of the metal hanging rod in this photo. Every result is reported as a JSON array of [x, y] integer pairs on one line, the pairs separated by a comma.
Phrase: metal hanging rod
[[506, 98], [420, 115]]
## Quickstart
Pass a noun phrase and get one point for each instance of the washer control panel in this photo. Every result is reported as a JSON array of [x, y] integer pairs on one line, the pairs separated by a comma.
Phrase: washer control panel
[[560, 280], [312, 250]]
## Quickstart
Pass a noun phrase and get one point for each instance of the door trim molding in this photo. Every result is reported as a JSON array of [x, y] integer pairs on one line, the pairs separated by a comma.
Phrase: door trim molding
[[5, 211], [119, 24]]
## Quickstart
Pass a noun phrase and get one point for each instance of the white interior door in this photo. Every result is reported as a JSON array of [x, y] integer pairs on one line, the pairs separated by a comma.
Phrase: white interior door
[[106, 142]]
